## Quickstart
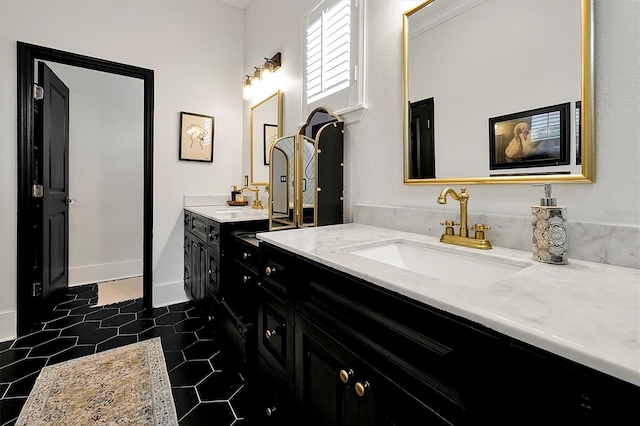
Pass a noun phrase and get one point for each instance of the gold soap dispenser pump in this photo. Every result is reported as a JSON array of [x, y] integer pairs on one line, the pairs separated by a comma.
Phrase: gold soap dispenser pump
[[549, 222]]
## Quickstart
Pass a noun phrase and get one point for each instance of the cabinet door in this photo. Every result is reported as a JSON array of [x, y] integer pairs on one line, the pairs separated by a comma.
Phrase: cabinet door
[[332, 385], [212, 278], [198, 269]]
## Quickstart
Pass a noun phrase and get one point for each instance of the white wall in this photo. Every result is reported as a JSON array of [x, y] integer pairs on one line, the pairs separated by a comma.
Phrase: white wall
[[195, 49], [284, 34], [105, 174], [373, 147]]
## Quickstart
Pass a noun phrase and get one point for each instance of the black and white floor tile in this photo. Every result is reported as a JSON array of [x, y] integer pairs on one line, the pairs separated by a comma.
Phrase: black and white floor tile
[[206, 389]]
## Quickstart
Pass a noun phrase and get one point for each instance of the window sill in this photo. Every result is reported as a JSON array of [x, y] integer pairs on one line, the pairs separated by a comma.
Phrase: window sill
[[350, 115]]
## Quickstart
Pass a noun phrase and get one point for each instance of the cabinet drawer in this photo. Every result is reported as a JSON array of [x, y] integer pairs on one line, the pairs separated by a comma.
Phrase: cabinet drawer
[[276, 335], [199, 226], [241, 286], [246, 254], [213, 234], [280, 273]]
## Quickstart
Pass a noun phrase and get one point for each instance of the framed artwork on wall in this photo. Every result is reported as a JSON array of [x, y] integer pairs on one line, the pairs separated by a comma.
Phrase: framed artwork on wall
[[196, 137], [534, 138]]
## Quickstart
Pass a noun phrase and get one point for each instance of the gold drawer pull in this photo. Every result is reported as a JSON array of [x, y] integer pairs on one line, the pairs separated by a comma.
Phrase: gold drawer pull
[[270, 271], [271, 411], [246, 279], [362, 387], [270, 333], [245, 256], [345, 375]]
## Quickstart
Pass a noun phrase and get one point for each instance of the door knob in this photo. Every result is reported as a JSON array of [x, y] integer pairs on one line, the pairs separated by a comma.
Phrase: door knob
[[68, 200]]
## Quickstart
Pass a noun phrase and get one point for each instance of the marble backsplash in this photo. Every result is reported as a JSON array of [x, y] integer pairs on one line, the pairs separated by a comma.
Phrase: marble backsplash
[[595, 242]]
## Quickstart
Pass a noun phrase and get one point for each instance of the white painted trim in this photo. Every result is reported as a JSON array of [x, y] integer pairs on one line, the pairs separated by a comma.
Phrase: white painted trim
[[91, 274], [8, 325], [433, 20], [350, 115], [168, 294]]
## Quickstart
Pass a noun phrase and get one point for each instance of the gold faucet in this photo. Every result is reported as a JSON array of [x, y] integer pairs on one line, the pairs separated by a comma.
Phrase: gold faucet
[[463, 239], [257, 204]]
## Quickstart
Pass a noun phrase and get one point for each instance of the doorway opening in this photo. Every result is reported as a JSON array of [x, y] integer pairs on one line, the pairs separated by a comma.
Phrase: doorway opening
[[30, 281]]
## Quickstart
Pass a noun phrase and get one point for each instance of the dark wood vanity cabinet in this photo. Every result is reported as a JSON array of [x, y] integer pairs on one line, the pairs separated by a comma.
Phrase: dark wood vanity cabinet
[[208, 264], [348, 352]]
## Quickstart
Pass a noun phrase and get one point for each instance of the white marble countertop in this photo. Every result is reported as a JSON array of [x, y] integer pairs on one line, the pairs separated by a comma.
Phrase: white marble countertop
[[586, 312], [223, 214]]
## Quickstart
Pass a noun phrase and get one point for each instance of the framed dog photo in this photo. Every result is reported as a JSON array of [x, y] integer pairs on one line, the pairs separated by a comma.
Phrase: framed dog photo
[[196, 137], [534, 138]]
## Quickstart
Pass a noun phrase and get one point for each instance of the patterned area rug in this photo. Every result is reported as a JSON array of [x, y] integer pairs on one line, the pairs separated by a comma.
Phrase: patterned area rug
[[128, 385]]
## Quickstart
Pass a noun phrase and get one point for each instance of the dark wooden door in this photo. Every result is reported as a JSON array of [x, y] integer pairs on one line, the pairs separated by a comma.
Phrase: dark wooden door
[[52, 140], [422, 160]]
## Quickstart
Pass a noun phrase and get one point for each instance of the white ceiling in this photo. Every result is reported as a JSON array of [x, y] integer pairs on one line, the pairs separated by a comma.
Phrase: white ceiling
[[240, 4]]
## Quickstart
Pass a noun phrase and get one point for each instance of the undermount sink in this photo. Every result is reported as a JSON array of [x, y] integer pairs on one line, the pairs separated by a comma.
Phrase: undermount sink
[[475, 270]]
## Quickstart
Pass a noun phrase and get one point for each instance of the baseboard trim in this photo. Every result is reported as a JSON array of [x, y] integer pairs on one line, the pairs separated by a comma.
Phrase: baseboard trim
[[90, 274], [8, 325], [169, 294]]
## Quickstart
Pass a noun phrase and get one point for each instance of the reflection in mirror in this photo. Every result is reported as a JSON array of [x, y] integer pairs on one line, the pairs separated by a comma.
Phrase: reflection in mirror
[[266, 128], [471, 63], [308, 179], [281, 189]]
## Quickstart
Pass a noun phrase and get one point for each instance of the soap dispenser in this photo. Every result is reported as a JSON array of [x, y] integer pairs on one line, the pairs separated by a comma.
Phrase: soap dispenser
[[549, 230]]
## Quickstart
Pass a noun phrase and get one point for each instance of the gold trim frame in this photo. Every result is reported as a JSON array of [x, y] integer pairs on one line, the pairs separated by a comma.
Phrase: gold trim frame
[[587, 135], [251, 135]]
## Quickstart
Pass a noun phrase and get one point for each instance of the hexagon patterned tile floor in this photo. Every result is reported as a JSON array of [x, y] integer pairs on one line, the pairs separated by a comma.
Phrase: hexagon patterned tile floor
[[203, 394]]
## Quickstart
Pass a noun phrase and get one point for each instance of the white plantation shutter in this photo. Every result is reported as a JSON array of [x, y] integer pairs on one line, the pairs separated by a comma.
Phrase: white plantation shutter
[[328, 51], [545, 126]]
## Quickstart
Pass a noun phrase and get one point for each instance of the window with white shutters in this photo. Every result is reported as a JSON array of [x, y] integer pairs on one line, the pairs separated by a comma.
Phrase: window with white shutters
[[332, 55]]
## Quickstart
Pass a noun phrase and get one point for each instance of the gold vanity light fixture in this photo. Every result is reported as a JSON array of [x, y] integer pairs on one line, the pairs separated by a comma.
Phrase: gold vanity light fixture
[[478, 240], [261, 74]]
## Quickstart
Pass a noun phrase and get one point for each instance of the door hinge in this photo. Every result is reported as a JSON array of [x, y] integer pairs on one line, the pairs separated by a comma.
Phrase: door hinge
[[37, 289], [37, 191], [38, 92]]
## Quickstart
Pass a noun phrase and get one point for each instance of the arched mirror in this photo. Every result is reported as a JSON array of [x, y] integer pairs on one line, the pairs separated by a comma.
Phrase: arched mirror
[[306, 178], [265, 129], [498, 91]]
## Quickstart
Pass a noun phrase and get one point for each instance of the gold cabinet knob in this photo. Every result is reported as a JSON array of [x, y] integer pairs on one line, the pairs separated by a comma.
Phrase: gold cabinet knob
[[246, 279], [361, 388], [270, 333], [345, 375], [271, 411], [269, 270], [245, 256]]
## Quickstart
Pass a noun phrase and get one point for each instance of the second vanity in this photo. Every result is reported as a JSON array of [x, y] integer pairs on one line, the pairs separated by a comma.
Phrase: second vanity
[[365, 325]]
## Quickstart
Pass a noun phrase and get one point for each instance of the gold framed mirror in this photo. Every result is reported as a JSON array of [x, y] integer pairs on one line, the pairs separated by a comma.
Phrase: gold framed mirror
[[265, 129], [484, 105]]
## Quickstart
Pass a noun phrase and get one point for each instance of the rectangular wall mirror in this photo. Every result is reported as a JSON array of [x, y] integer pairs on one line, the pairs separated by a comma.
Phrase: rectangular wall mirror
[[266, 128], [498, 91]]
